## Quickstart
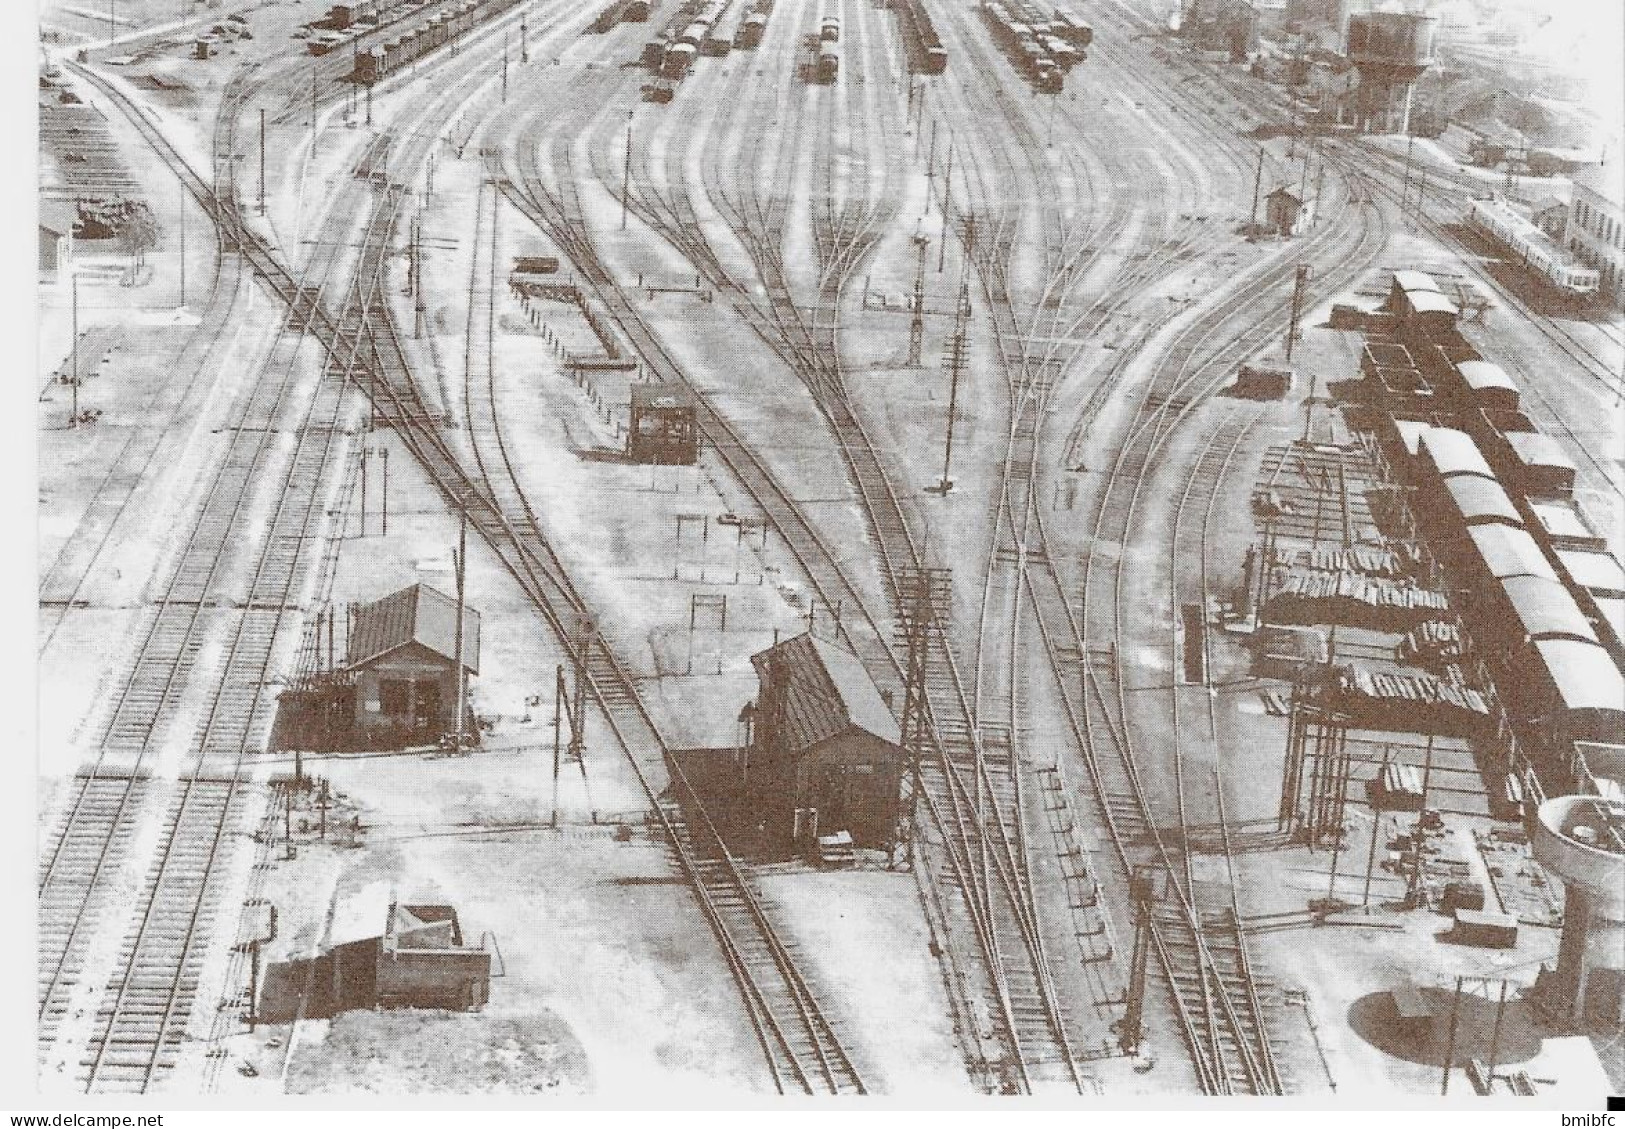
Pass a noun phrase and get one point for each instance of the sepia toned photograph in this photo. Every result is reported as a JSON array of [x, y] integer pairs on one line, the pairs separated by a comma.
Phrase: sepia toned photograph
[[718, 553]]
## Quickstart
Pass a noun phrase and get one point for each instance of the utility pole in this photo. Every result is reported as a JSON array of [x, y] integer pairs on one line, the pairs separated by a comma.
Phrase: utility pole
[[947, 205], [524, 50], [183, 246], [73, 380], [931, 168], [457, 647], [956, 361], [504, 68], [313, 114], [1495, 1039], [561, 696], [1298, 287], [112, 29], [626, 171], [383, 454], [1258, 182], [916, 327], [262, 159], [417, 278]]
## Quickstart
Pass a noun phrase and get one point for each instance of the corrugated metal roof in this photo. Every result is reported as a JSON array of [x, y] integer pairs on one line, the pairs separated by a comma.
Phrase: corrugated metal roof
[[1584, 674], [419, 614], [1510, 552], [1454, 452], [1590, 569], [1482, 375], [1536, 449], [1545, 609], [1429, 302], [1481, 499], [823, 690], [1411, 281]]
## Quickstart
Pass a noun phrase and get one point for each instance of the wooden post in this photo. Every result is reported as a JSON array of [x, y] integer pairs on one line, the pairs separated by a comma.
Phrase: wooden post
[[457, 647], [1450, 1039]]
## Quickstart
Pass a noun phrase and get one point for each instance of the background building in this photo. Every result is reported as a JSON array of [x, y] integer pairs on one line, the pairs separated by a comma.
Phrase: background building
[[1596, 226]]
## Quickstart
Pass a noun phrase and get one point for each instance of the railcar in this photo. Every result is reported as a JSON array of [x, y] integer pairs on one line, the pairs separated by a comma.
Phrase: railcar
[[829, 63], [679, 57], [1534, 249]]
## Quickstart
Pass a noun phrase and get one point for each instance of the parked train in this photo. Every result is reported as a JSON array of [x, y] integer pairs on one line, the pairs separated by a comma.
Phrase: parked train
[[618, 12], [449, 22], [921, 46], [1539, 590], [1042, 48], [828, 66], [829, 30], [698, 29], [1535, 249]]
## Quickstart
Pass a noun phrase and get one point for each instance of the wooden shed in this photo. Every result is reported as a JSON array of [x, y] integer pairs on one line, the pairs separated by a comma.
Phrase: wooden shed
[[402, 657], [826, 754]]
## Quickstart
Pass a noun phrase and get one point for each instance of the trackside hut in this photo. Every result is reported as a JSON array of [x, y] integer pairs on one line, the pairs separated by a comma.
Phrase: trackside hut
[[402, 653], [825, 742]]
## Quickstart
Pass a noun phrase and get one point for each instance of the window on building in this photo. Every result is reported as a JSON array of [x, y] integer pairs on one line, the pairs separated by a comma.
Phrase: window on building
[[394, 695]]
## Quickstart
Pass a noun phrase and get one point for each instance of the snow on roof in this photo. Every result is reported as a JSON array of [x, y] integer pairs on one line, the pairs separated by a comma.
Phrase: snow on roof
[[1454, 452], [824, 690], [1561, 520], [1545, 609], [1590, 569], [1583, 673], [58, 216], [419, 614], [1414, 280], [1604, 180], [1537, 449], [1429, 302], [1481, 375], [1481, 499], [1506, 551], [360, 915]]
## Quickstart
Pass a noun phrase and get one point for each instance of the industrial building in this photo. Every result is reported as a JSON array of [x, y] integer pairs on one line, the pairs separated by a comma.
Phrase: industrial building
[[1596, 226], [401, 676]]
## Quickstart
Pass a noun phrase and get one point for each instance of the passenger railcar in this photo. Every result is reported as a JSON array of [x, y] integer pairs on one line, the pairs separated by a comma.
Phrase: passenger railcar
[[1534, 249]]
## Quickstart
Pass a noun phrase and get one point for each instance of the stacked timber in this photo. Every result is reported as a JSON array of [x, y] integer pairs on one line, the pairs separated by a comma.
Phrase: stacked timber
[[1409, 701], [1370, 560], [1432, 644], [1353, 599]]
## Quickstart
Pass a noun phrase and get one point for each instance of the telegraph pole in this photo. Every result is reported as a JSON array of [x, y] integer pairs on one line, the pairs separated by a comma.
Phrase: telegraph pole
[[916, 328], [947, 205], [1298, 287], [504, 68], [262, 155], [73, 412], [626, 170], [183, 246], [524, 51], [931, 168], [956, 361], [457, 647], [1258, 181]]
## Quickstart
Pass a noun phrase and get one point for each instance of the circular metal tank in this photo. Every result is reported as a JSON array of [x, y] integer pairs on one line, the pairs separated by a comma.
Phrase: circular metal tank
[[1577, 839]]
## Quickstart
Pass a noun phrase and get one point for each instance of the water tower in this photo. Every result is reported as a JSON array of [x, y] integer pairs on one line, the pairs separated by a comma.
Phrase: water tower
[[1390, 50], [1581, 840]]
